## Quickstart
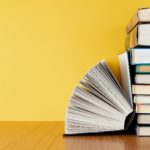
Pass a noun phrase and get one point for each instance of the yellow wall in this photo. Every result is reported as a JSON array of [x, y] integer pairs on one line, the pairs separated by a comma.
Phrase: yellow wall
[[47, 45]]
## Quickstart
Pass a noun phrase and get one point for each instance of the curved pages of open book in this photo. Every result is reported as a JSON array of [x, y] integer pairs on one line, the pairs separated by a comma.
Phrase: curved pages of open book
[[98, 104]]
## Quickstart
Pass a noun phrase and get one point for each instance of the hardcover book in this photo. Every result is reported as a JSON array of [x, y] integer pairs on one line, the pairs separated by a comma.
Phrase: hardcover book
[[142, 99], [140, 56], [143, 108], [141, 16], [139, 36], [142, 78], [143, 119], [143, 130], [141, 89]]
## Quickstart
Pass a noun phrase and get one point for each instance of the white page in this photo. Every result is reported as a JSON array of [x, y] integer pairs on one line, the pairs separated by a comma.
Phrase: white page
[[144, 34]]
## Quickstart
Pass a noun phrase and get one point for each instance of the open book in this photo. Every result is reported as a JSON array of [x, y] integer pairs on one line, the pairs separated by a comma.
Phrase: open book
[[99, 104]]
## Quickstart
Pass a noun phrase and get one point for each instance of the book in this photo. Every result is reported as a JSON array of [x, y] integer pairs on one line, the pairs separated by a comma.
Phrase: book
[[143, 119], [142, 69], [99, 104], [142, 78], [142, 108], [139, 36], [140, 56], [125, 74], [143, 130], [142, 16], [142, 99], [141, 89]]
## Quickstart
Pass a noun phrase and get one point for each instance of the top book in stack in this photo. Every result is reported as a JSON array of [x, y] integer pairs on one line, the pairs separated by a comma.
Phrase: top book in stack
[[138, 29]]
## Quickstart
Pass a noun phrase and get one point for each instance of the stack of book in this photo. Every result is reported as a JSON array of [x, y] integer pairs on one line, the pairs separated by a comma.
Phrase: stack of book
[[138, 45], [99, 104]]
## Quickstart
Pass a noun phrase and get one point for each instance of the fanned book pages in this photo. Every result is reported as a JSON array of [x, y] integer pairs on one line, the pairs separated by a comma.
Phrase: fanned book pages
[[98, 104]]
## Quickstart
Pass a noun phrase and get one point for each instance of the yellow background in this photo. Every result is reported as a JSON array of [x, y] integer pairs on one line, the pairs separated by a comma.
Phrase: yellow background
[[47, 45]]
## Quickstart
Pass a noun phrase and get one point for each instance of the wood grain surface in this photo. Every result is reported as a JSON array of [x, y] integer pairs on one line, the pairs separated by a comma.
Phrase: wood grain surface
[[49, 136]]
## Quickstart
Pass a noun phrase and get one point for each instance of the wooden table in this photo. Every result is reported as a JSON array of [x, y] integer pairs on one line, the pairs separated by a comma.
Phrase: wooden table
[[49, 136]]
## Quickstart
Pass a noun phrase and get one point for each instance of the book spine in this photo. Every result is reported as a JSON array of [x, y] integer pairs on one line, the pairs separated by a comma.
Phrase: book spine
[[127, 41], [131, 39], [132, 23]]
